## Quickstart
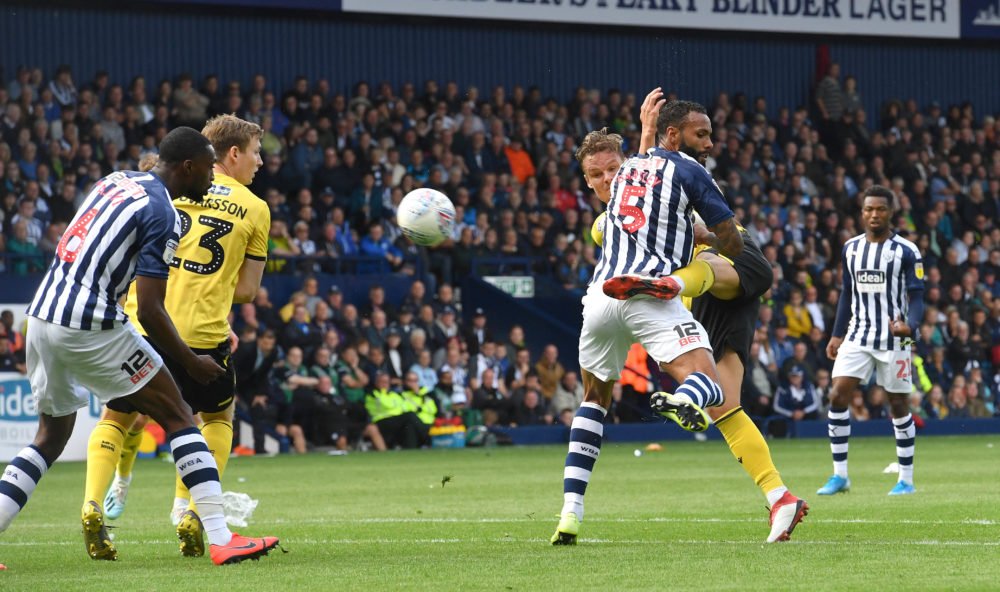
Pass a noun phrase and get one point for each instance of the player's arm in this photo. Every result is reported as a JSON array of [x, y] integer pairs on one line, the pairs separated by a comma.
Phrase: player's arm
[[843, 309], [152, 315], [728, 240], [648, 113], [248, 281], [913, 268], [709, 202], [159, 241], [252, 270]]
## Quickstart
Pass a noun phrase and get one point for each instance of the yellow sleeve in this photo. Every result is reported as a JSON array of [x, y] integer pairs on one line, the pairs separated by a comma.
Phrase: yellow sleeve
[[257, 245]]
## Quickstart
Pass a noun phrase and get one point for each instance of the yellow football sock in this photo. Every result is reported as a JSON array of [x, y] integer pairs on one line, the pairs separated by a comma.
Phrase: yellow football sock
[[130, 449], [103, 451], [698, 278], [218, 434], [750, 449]]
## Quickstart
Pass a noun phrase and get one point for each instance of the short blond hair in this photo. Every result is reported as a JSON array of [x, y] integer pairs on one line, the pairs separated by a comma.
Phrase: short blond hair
[[226, 131], [600, 141]]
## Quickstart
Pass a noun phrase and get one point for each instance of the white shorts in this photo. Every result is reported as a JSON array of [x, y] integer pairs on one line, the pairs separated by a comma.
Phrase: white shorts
[[663, 327], [63, 362], [892, 368]]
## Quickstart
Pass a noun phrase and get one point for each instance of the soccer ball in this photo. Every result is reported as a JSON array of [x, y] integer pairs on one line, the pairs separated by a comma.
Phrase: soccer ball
[[597, 228], [426, 217]]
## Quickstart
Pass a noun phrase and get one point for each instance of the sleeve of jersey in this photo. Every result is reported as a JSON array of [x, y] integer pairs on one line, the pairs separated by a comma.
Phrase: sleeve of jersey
[[705, 194], [844, 305], [914, 266], [915, 290], [158, 237], [257, 246]]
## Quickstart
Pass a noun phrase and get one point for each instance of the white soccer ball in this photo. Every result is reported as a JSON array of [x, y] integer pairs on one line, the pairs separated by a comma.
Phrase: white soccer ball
[[426, 216]]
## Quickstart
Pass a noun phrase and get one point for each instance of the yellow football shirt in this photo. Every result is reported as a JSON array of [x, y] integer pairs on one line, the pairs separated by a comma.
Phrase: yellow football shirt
[[230, 225]]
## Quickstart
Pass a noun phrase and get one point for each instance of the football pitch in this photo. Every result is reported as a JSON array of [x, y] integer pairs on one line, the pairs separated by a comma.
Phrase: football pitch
[[685, 518]]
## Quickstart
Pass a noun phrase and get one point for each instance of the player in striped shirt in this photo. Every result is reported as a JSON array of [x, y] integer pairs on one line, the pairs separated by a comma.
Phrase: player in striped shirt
[[878, 315], [649, 233], [79, 338], [726, 300]]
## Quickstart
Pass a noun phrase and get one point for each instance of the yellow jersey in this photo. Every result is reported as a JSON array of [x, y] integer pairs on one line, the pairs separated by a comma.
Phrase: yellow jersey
[[230, 225]]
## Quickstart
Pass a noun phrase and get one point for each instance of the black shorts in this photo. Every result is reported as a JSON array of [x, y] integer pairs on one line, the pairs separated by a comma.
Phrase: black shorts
[[214, 397], [731, 323]]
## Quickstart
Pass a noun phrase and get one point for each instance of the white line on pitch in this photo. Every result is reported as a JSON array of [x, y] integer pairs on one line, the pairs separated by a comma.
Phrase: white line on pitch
[[429, 520], [290, 543]]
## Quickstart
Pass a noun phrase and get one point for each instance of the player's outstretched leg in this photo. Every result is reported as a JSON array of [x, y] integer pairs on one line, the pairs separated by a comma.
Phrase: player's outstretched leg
[[585, 437], [691, 281]]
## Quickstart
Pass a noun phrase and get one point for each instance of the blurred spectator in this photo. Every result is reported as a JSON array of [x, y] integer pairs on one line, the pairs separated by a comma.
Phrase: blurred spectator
[[477, 332], [295, 411], [398, 424], [797, 400], [253, 362], [858, 409], [549, 371], [758, 386], [11, 361], [497, 408], [531, 410], [421, 401], [569, 394]]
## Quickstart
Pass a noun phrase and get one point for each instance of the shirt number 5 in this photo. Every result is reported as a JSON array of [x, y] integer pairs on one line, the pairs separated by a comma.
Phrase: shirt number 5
[[629, 210]]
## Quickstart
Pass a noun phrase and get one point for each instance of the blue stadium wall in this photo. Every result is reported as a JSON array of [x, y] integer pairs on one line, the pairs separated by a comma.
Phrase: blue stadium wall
[[345, 49]]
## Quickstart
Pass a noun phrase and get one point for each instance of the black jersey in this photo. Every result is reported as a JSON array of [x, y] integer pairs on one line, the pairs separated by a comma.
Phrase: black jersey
[[731, 323]]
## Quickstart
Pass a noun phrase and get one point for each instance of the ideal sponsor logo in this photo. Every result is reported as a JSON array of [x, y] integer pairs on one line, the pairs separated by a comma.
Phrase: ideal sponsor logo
[[870, 281], [868, 276], [16, 401]]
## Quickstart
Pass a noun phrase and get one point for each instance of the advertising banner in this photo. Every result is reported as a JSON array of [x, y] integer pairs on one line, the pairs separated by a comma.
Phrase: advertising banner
[[19, 420], [893, 18]]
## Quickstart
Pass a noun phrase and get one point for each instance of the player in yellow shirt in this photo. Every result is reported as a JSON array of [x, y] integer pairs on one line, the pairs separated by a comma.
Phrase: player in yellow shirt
[[220, 261]]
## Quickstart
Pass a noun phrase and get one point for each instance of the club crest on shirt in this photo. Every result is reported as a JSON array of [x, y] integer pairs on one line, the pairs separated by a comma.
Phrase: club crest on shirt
[[169, 251]]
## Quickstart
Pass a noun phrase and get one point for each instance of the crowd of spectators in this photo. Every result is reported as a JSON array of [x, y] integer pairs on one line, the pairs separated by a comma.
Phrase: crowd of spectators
[[337, 164]]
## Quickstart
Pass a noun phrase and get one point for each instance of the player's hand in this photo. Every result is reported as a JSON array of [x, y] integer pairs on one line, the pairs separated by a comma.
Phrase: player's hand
[[204, 369], [234, 341], [899, 328], [650, 109], [833, 347], [703, 236]]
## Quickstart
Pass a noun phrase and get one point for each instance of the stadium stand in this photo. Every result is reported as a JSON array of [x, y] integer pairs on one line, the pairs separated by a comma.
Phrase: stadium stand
[[336, 165]]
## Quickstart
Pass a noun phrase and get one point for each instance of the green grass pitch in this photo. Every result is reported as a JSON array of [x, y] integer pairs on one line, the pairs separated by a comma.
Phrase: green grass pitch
[[686, 518]]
